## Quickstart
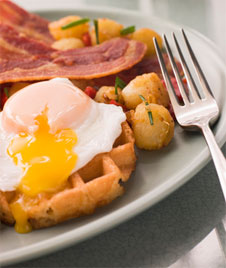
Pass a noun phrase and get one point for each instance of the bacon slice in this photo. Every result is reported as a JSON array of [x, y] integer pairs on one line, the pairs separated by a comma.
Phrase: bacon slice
[[146, 65], [30, 24], [25, 59]]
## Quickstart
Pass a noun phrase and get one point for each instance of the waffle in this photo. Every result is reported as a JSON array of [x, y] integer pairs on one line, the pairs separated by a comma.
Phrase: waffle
[[95, 185]]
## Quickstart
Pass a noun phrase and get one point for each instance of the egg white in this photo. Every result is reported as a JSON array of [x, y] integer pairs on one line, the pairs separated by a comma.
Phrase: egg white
[[98, 132], [10, 174]]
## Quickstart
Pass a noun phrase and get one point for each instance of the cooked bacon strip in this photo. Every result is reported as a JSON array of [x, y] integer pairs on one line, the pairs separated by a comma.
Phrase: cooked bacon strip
[[30, 24], [25, 59], [146, 65], [18, 51]]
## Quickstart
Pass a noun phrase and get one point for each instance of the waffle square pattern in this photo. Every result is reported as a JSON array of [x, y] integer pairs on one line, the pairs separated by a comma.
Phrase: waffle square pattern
[[94, 185]]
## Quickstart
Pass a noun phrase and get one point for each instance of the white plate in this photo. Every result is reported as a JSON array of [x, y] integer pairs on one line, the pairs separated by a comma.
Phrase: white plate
[[157, 174]]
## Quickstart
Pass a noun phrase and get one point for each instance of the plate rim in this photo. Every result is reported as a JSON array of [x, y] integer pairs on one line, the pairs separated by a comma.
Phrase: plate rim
[[141, 204]]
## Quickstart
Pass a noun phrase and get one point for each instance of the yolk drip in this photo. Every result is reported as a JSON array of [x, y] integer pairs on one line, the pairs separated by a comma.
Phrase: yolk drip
[[22, 225], [46, 161]]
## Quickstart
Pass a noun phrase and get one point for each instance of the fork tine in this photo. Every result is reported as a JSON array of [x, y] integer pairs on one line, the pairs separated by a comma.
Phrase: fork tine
[[166, 77], [176, 72], [205, 86], [192, 87]]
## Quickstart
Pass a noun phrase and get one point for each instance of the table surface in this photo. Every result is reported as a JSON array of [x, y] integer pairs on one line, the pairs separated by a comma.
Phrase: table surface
[[167, 231]]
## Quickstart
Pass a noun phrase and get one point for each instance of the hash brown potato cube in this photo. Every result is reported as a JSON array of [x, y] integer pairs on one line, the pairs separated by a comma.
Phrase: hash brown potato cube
[[58, 33], [149, 86], [105, 94], [107, 29], [152, 136], [145, 35], [67, 43]]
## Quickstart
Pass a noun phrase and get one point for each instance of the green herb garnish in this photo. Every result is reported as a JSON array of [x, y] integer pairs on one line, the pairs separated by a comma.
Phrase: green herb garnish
[[96, 31], [6, 91], [149, 112], [150, 117], [75, 23], [143, 99], [119, 83], [128, 30]]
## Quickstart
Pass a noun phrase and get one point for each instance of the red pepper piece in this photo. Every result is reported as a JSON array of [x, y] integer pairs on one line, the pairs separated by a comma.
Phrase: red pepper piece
[[91, 92], [86, 38], [118, 104], [184, 81], [176, 88]]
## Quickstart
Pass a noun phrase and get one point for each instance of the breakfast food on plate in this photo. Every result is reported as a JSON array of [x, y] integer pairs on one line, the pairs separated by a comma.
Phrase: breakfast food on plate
[[64, 153], [107, 29], [58, 33], [146, 36], [152, 125], [147, 85], [24, 22], [107, 94], [59, 160], [68, 43], [25, 59]]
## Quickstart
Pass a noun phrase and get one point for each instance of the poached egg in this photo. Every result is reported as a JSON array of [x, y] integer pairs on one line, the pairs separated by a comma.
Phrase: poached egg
[[49, 130]]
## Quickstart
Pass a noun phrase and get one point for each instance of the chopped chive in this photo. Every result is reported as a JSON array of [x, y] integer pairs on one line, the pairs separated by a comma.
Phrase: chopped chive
[[75, 23], [119, 83], [6, 91], [96, 31], [150, 117], [149, 112], [128, 30], [143, 99]]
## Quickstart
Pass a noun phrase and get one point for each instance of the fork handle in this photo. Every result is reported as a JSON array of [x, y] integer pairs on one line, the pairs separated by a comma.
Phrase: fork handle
[[217, 155]]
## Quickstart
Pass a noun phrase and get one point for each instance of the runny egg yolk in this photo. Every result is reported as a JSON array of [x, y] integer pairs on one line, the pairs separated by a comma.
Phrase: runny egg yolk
[[46, 160]]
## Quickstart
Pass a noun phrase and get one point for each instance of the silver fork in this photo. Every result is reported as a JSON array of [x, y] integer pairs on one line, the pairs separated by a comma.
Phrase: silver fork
[[196, 110]]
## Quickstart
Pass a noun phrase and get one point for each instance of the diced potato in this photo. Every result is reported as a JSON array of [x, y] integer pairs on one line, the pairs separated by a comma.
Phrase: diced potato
[[106, 94], [148, 136], [77, 31], [146, 35], [149, 86], [107, 29], [17, 86], [67, 43]]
